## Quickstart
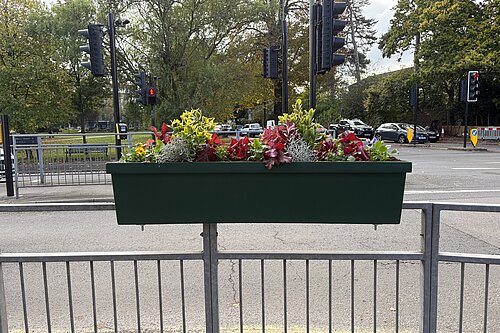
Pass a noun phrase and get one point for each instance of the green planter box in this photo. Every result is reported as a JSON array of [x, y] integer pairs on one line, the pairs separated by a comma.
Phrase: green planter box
[[227, 192]]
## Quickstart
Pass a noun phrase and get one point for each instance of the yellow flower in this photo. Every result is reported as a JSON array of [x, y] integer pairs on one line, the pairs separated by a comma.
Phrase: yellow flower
[[140, 151]]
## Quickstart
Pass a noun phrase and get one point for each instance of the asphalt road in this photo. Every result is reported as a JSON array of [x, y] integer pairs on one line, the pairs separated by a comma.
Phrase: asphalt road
[[438, 176]]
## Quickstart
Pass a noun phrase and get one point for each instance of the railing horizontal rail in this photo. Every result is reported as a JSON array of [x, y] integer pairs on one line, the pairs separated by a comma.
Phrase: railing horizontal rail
[[57, 207], [372, 255], [451, 206], [98, 256], [470, 258]]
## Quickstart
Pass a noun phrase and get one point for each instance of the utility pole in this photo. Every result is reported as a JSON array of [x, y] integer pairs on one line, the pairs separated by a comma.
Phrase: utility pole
[[284, 87], [312, 55], [114, 80]]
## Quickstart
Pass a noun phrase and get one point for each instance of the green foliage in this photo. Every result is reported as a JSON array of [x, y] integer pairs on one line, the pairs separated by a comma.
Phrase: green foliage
[[380, 152], [194, 128], [304, 123], [256, 150]]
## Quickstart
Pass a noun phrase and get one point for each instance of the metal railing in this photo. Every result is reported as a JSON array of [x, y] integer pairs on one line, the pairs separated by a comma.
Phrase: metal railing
[[282, 264], [38, 162], [259, 301]]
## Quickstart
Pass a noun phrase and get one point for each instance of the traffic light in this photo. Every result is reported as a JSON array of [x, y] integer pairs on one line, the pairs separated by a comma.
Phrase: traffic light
[[94, 48], [270, 63], [141, 83], [412, 97], [472, 86], [151, 95], [328, 41]]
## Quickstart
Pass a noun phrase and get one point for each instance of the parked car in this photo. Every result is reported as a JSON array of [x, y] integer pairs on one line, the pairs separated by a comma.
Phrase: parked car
[[253, 129], [222, 129], [397, 132], [433, 135], [359, 128]]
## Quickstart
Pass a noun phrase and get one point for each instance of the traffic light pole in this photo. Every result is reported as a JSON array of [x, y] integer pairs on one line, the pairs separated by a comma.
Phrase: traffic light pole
[[312, 55], [284, 93], [465, 123], [415, 110], [7, 160], [114, 79]]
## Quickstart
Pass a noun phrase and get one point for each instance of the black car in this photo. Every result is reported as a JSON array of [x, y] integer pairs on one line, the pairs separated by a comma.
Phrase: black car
[[359, 128], [398, 132]]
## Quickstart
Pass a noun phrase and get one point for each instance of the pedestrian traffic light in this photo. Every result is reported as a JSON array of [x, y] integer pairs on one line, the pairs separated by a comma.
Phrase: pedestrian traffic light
[[140, 81], [330, 43], [472, 86], [94, 48], [270, 63], [151, 95]]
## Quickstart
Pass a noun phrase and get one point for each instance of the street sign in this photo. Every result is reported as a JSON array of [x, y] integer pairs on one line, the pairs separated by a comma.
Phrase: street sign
[[410, 134], [27, 140], [473, 136]]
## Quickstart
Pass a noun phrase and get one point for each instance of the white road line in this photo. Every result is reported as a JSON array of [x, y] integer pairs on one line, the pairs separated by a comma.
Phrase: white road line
[[448, 191], [475, 168], [491, 162]]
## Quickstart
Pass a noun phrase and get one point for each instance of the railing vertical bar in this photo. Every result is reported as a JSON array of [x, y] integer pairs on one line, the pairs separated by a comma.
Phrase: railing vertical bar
[[262, 294], [462, 282], [486, 292], [240, 272], [330, 296], [137, 296], [160, 296], [397, 296], [94, 306], [46, 291], [352, 296], [70, 297], [183, 297], [307, 297], [23, 297], [4, 325], [374, 296], [113, 292], [285, 309]]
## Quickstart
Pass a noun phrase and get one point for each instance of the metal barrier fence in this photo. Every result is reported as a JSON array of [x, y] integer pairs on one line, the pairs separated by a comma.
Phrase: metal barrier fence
[[39, 162], [489, 133], [198, 275]]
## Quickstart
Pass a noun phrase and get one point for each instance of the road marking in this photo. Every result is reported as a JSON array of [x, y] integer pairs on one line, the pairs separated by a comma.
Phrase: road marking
[[475, 168], [492, 162], [449, 191]]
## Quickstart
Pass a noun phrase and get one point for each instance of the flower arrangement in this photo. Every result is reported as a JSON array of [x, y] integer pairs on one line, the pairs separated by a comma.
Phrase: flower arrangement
[[189, 139]]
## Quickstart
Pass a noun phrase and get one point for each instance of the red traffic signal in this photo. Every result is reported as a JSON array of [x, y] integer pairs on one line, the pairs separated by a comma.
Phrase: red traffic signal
[[151, 95]]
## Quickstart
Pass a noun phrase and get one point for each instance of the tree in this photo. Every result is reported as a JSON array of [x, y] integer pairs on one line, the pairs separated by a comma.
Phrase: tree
[[88, 93], [33, 88]]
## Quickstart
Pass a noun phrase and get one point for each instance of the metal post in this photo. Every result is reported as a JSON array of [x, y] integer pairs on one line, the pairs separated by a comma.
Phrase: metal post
[[465, 122], [426, 271], [114, 79], [4, 327], [39, 151], [436, 218], [153, 119], [9, 182], [312, 55], [210, 264], [415, 109], [284, 72]]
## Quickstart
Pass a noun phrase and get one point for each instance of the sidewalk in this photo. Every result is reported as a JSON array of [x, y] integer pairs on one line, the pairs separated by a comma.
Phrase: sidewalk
[[104, 193], [457, 143]]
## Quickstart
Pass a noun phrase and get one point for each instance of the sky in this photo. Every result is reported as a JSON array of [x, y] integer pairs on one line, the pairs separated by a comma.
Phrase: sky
[[381, 11]]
